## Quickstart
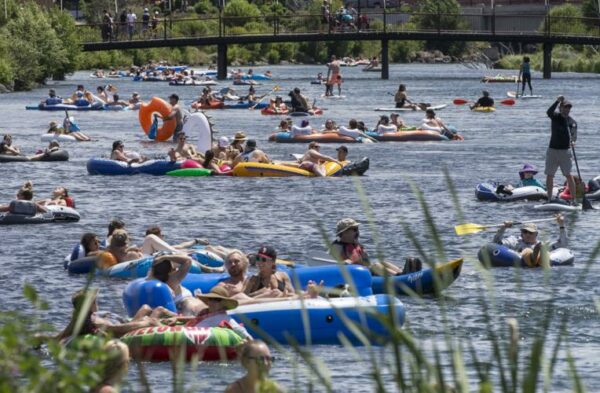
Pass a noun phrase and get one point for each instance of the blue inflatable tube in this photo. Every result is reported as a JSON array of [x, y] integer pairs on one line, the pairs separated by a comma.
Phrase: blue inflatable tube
[[422, 282], [497, 255], [255, 77], [246, 105], [333, 277], [102, 166], [284, 321], [63, 107], [171, 68]]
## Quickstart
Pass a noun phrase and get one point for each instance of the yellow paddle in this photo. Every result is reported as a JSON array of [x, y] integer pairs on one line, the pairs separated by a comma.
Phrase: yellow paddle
[[469, 228], [276, 88]]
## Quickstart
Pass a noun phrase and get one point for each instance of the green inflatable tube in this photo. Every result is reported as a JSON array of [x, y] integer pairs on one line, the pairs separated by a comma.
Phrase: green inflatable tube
[[195, 172]]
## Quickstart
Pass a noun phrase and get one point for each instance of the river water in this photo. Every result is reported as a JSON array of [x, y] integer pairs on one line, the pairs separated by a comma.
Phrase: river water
[[246, 213]]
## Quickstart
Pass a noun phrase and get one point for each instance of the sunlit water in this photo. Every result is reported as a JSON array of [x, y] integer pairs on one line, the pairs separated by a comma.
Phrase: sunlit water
[[246, 213]]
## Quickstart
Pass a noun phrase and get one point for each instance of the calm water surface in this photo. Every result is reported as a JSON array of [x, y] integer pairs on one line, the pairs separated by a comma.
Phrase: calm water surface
[[246, 213]]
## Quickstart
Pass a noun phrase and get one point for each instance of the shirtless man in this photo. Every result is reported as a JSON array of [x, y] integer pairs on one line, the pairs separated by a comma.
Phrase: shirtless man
[[312, 160], [236, 264], [252, 154], [335, 78], [184, 150], [81, 94], [177, 114]]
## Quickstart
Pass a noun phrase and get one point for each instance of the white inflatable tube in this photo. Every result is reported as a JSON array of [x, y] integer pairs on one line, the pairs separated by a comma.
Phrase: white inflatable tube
[[58, 138], [301, 130]]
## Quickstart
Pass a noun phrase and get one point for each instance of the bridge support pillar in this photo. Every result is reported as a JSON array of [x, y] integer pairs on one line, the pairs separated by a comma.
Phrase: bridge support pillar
[[385, 60], [221, 61], [547, 60]]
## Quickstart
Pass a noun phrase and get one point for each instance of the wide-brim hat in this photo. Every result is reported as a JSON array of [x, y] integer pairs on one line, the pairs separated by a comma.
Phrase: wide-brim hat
[[344, 224], [529, 227], [240, 136], [219, 293], [528, 168]]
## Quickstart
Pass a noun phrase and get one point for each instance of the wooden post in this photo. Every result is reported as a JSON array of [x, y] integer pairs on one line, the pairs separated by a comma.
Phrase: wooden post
[[385, 60], [547, 60], [221, 61]]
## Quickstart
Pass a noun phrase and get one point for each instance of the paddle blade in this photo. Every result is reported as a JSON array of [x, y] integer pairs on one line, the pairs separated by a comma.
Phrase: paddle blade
[[276, 88], [153, 129], [469, 228], [586, 204], [460, 101], [508, 101]]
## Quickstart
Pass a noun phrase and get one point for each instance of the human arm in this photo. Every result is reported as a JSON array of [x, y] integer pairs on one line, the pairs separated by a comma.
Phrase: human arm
[[323, 157], [499, 236], [40, 208], [118, 330], [563, 240], [551, 111], [184, 264]]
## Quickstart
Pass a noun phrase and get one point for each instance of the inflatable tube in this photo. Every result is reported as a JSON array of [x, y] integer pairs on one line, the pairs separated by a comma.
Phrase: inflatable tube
[[315, 112], [152, 292], [285, 137], [171, 68], [54, 214], [11, 158], [409, 136], [246, 105], [198, 127], [557, 205], [283, 110], [496, 255], [210, 105], [58, 138], [145, 116], [487, 192], [299, 131], [484, 109], [283, 321], [190, 172], [58, 155], [386, 129], [102, 166], [188, 82], [256, 77], [159, 343], [255, 169], [357, 168], [63, 107], [422, 282]]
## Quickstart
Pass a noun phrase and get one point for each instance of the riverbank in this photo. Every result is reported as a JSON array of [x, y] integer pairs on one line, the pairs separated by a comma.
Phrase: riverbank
[[565, 58]]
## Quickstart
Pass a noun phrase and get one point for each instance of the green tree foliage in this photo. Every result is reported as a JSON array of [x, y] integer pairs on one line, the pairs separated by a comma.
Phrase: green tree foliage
[[205, 7], [589, 9], [242, 11], [445, 15], [563, 20]]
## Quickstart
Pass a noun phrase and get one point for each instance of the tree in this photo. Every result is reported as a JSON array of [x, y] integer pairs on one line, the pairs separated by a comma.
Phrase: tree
[[443, 15]]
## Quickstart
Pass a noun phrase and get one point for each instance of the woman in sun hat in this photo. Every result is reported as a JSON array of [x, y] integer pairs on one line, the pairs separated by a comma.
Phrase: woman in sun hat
[[346, 248], [237, 143], [527, 174]]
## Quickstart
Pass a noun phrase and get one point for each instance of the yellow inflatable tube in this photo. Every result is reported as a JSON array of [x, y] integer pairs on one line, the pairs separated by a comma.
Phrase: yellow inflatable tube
[[255, 169]]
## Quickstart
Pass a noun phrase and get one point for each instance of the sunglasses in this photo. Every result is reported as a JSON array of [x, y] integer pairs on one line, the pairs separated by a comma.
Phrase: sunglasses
[[263, 259], [262, 358]]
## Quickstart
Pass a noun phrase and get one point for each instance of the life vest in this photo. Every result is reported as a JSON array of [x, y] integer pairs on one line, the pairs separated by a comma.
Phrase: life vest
[[53, 100], [354, 252]]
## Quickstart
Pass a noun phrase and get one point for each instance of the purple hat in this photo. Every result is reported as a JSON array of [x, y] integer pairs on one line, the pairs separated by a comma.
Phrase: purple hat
[[527, 168]]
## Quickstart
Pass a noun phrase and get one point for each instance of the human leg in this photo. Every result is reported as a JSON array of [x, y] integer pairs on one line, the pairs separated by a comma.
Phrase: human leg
[[153, 243], [552, 163]]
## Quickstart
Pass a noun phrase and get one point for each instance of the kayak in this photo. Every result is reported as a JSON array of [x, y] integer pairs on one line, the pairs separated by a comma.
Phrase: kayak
[[408, 136], [246, 105], [513, 94], [392, 109], [489, 192], [285, 137], [484, 109], [210, 105], [497, 255], [422, 282], [255, 169]]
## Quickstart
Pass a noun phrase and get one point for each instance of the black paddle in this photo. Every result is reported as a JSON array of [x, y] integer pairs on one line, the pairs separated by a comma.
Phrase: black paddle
[[585, 203]]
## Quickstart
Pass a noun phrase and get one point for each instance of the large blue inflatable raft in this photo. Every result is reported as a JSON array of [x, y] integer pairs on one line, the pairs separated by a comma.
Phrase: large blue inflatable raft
[[102, 166]]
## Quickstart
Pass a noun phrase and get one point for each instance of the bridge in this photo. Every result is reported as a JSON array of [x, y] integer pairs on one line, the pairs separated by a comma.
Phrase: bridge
[[382, 26]]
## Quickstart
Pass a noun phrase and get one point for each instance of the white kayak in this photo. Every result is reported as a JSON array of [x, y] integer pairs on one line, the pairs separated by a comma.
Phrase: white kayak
[[391, 109], [58, 138], [513, 94]]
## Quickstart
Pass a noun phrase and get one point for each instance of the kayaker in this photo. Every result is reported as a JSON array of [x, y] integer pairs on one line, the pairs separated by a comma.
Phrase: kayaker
[[527, 244], [346, 248], [401, 99], [484, 102], [563, 136], [268, 282], [313, 160], [256, 358], [525, 75]]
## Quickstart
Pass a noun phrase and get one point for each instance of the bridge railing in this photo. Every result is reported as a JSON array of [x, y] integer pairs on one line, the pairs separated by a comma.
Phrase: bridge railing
[[375, 21]]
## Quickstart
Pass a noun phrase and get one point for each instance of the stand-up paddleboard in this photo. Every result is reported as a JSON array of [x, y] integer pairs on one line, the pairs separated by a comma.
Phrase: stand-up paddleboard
[[557, 205], [391, 109], [333, 97], [513, 94], [197, 126]]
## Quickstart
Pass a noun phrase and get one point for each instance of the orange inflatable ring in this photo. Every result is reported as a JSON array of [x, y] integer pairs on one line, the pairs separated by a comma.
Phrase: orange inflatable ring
[[161, 106]]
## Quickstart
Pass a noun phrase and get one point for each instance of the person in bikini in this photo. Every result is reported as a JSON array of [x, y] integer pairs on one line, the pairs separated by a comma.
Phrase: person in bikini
[[268, 282]]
